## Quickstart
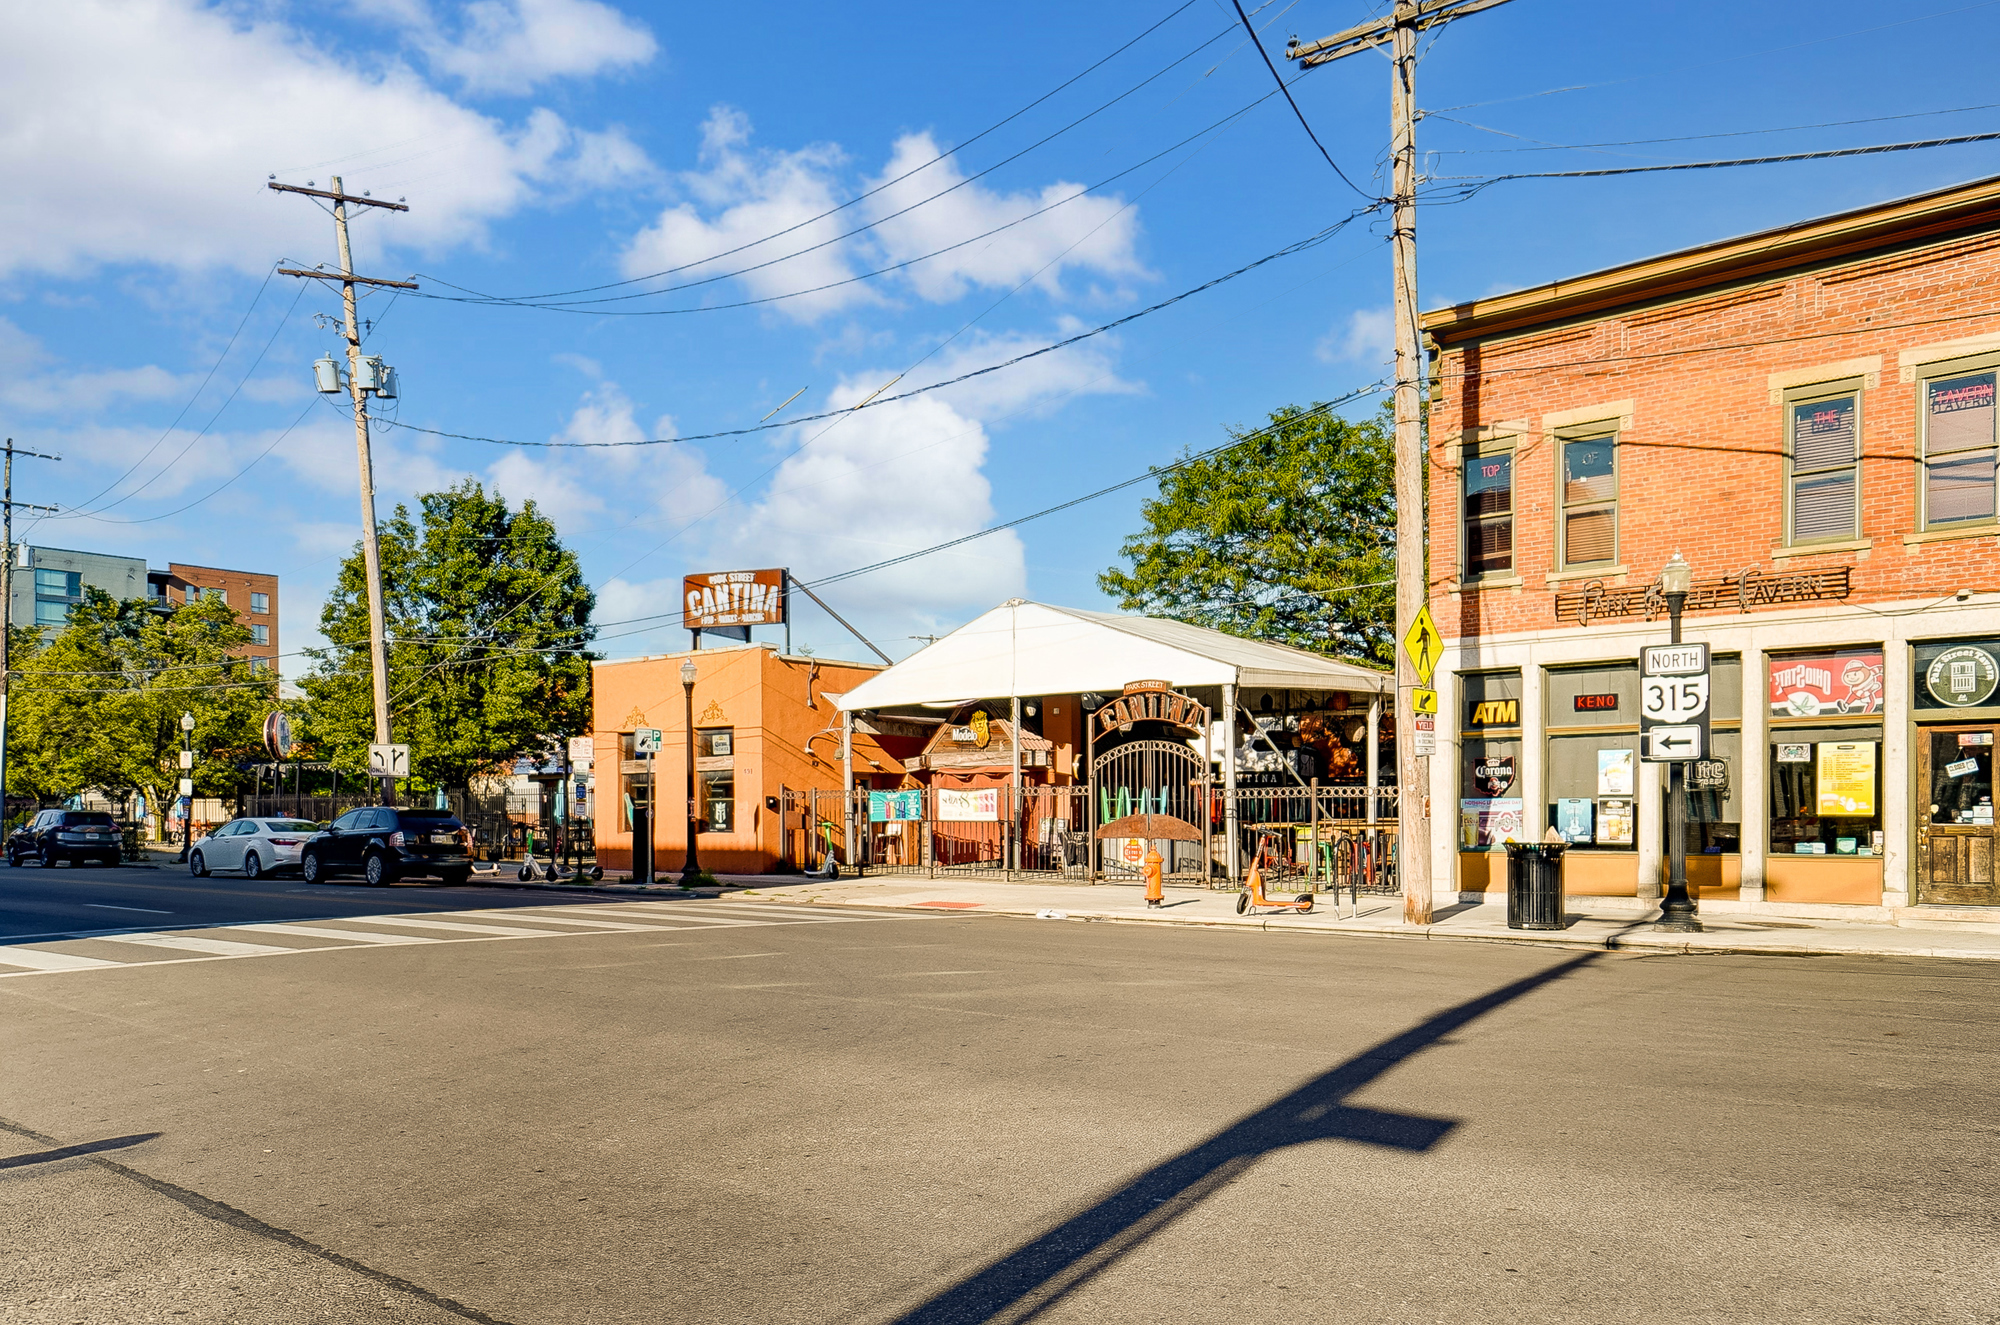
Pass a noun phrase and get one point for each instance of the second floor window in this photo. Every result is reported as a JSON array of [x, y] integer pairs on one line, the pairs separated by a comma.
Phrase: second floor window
[[260, 634], [1958, 449], [260, 603], [1825, 446], [1489, 514], [1590, 500]]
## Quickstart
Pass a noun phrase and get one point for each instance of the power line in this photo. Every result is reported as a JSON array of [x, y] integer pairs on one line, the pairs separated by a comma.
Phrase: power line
[[1681, 138], [1741, 161], [1038, 143], [1298, 246], [1284, 88]]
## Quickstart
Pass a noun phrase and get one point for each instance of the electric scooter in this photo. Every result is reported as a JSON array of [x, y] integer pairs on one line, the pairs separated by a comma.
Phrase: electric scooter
[[1253, 896], [829, 868]]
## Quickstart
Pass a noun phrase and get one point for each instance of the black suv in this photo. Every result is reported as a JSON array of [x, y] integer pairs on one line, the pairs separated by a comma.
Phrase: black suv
[[71, 835], [383, 843]]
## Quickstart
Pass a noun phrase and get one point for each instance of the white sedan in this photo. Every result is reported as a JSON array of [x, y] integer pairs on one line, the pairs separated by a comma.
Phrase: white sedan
[[255, 846]]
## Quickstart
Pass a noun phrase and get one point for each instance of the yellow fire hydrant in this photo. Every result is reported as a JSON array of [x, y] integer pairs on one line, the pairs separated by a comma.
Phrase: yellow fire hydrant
[[1155, 884]]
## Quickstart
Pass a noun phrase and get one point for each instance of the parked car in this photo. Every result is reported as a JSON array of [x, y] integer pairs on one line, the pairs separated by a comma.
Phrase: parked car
[[383, 843], [255, 846], [71, 835]]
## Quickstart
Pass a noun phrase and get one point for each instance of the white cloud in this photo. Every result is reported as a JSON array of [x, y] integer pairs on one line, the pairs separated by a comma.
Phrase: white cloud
[[747, 194], [1035, 387], [1088, 233], [513, 45], [1369, 337], [142, 132], [32, 380]]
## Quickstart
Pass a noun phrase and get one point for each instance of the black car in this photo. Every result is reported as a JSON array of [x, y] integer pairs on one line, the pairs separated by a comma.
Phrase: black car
[[383, 843], [71, 835]]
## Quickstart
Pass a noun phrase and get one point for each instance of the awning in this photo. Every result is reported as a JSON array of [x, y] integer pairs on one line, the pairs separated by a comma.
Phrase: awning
[[1024, 648]]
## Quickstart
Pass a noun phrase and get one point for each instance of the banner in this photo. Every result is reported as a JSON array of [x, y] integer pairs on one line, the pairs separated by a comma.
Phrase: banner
[[1821, 684], [969, 806], [895, 807], [1485, 823]]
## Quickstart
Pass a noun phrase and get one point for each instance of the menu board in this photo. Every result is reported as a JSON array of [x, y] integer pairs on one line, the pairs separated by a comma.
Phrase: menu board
[[1825, 684], [1846, 779]]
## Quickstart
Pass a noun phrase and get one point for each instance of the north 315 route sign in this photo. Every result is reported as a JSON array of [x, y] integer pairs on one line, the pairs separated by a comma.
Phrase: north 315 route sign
[[1673, 703]]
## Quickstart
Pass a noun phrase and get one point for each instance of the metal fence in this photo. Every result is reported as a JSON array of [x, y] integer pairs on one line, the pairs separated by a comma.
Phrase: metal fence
[[1320, 838], [505, 826]]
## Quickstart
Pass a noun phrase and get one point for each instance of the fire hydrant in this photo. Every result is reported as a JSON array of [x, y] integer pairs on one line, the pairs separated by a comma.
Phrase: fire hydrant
[[1155, 885]]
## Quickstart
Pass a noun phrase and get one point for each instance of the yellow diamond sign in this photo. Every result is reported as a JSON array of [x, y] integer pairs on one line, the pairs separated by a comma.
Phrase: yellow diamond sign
[[1424, 646]]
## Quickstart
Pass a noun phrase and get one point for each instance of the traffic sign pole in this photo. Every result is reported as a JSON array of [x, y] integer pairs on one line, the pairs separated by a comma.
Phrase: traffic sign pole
[[1673, 715]]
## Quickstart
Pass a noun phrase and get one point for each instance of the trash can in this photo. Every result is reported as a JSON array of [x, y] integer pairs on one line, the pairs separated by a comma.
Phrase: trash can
[[1534, 885]]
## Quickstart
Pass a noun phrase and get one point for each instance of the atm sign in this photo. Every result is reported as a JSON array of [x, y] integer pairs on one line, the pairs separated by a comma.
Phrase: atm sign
[[1596, 704]]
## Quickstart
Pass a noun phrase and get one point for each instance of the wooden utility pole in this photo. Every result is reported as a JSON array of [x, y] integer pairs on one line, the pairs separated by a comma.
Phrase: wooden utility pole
[[7, 505], [1398, 30], [371, 555]]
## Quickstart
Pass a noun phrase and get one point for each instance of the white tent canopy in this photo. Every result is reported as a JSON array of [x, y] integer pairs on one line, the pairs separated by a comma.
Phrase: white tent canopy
[[1024, 648]]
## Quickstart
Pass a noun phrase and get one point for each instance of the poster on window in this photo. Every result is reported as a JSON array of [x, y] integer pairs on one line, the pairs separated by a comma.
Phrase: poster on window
[[1823, 684], [976, 807], [1846, 779], [1614, 772], [895, 807], [1576, 819], [1615, 821], [1486, 822]]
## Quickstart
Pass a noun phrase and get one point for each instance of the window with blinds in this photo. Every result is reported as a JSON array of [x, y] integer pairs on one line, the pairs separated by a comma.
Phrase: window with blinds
[[1590, 500], [1489, 514], [1825, 446], [1958, 449]]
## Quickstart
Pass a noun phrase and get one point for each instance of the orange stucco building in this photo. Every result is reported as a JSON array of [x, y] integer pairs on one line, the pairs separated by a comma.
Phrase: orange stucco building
[[764, 725]]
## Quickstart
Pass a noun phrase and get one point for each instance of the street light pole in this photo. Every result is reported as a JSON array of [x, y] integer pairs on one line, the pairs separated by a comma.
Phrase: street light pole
[[187, 796], [1677, 913], [691, 876]]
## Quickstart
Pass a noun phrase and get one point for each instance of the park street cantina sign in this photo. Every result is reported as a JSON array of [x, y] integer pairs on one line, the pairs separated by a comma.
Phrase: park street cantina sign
[[1593, 600]]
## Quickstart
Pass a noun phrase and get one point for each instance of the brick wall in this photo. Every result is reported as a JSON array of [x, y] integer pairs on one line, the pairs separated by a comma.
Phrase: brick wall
[[239, 586], [1701, 462]]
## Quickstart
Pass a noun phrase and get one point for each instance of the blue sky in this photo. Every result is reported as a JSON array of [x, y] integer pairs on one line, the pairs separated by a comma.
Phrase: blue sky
[[550, 145]]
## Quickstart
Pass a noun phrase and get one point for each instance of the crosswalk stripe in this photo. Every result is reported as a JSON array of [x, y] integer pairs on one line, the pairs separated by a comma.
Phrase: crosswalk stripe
[[686, 921], [541, 917], [351, 935], [34, 959], [834, 912], [410, 922], [185, 943]]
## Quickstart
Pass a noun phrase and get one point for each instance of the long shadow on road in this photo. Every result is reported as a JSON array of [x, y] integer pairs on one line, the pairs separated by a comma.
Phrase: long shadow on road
[[1029, 1280]]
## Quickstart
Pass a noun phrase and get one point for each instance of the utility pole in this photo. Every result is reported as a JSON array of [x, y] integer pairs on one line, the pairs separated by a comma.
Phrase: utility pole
[[7, 505], [1398, 30], [358, 387]]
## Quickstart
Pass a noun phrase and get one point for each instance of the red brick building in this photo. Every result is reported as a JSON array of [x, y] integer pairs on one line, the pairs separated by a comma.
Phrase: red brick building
[[252, 594], [1807, 415]]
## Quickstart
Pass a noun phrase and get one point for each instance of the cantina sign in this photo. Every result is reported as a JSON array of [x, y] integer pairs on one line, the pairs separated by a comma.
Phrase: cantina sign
[[1150, 701], [1593, 600], [734, 598]]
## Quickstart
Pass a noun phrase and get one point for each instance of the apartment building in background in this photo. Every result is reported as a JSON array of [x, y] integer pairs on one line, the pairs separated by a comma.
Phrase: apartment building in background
[[49, 582], [1808, 417]]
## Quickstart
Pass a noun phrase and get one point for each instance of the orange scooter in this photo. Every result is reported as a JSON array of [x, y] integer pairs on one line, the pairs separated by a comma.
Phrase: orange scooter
[[1253, 892]]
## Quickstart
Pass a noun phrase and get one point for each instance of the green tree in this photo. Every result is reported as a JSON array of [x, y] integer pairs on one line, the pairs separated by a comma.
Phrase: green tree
[[487, 615], [98, 705], [1267, 539]]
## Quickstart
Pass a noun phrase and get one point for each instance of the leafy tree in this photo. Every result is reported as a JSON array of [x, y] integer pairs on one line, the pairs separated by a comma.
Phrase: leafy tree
[[1254, 540], [98, 706], [487, 614]]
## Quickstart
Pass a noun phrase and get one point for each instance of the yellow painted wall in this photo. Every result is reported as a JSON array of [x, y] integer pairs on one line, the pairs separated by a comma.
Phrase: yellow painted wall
[[1585, 873], [1823, 879]]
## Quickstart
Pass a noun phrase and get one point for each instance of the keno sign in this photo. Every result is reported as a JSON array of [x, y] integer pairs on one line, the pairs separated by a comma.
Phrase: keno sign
[[734, 598]]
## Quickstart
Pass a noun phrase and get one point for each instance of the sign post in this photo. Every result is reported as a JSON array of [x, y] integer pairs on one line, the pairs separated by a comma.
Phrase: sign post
[[1674, 690], [646, 741]]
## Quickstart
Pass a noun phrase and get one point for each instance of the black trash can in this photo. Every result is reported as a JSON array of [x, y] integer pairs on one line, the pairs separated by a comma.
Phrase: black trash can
[[1535, 897]]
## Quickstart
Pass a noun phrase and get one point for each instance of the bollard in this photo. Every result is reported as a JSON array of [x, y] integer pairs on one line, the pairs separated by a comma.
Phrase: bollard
[[1155, 885]]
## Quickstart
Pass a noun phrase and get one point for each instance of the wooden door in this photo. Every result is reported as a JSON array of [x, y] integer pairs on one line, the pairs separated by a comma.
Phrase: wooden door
[[1955, 831]]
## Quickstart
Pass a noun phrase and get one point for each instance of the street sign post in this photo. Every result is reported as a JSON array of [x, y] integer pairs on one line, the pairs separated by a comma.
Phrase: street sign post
[[388, 761], [1674, 692], [646, 741], [1425, 646]]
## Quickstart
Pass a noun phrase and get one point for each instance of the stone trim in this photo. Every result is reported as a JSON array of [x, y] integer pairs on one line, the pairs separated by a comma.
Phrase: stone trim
[[1868, 368]]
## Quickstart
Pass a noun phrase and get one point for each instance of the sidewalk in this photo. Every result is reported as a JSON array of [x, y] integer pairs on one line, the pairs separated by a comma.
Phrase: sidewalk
[[1615, 924]]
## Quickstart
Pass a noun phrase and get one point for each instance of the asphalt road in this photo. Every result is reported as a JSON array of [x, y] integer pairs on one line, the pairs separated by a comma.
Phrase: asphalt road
[[930, 1119]]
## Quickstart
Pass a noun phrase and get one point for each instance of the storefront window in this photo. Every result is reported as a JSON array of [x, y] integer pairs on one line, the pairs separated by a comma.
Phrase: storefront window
[[1590, 784], [718, 802], [1957, 674], [1490, 808], [1714, 821], [1826, 790], [714, 742]]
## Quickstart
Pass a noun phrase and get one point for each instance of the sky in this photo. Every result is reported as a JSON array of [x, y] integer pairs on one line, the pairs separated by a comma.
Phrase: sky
[[736, 217]]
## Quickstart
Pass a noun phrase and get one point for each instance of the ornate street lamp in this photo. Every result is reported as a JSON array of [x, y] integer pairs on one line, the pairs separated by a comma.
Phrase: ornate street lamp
[[187, 801], [691, 877], [1677, 913]]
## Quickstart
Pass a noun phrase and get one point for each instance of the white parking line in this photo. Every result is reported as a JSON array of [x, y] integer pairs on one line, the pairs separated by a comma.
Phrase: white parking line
[[409, 922]]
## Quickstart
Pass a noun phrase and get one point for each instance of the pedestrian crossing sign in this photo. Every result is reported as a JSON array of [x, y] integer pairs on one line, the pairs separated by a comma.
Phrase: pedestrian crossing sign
[[1424, 646]]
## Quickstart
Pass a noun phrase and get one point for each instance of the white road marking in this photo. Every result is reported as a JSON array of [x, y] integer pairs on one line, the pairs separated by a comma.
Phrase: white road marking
[[351, 935], [142, 910], [34, 959], [541, 917], [410, 922], [214, 947]]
